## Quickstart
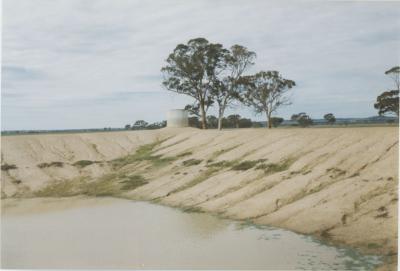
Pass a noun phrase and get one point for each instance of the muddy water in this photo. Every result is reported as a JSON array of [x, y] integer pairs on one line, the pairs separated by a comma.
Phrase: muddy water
[[126, 234]]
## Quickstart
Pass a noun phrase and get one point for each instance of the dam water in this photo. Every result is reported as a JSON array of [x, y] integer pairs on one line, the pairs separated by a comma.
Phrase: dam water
[[140, 235]]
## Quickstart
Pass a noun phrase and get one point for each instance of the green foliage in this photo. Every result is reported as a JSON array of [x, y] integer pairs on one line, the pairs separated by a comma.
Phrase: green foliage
[[276, 121], [303, 119], [388, 102], [67, 188], [266, 92], [212, 122], [112, 184], [245, 123], [192, 68], [330, 118], [7, 167], [191, 162], [139, 125], [143, 153], [51, 164]]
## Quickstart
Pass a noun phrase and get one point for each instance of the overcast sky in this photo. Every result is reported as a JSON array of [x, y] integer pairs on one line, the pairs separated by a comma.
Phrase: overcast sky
[[94, 63]]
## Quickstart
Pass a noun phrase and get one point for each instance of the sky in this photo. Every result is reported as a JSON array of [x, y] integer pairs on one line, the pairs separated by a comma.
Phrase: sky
[[70, 64]]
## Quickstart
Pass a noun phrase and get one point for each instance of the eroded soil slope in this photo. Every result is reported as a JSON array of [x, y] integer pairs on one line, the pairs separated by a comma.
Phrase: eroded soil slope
[[339, 183]]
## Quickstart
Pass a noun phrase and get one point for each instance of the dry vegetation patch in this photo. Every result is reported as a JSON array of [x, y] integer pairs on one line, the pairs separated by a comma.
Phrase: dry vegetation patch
[[51, 164]]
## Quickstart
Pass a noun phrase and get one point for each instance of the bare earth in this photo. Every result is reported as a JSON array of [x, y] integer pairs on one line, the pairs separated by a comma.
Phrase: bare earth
[[337, 183]]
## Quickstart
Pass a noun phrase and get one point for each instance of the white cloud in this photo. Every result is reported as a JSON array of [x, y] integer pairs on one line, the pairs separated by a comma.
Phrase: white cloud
[[91, 55]]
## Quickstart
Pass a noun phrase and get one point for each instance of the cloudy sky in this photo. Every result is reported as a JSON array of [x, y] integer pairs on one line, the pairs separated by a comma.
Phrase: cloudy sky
[[96, 63]]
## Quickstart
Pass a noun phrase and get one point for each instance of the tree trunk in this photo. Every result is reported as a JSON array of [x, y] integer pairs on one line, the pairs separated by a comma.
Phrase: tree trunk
[[269, 121], [203, 116], [220, 116]]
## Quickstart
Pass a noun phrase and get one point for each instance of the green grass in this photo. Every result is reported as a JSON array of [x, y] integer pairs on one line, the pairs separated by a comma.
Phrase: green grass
[[7, 167], [51, 164], [246, 165], [59, 189], [112, 184], [143, 153], [270, 168], [191, 162], [133, 182], [84, 163]]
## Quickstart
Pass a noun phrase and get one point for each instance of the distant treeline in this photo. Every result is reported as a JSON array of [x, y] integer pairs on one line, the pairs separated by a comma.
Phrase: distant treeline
[[232, 121], [236, 121]]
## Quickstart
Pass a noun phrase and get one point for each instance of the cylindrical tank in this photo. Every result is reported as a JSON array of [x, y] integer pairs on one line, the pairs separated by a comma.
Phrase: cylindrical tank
[[177, 118]]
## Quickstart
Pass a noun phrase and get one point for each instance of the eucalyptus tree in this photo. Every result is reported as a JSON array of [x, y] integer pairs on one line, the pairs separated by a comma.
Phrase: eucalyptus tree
[[330, 118], [266, 91], [192, 70], [237, 60], [303, 119], [388, 101]]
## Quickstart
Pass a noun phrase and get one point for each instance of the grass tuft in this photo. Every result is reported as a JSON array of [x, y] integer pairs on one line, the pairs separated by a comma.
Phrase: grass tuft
[[246, 165], [51, 164], [221, 164], [143, 153], [84, 163], [191, 162], [58, 189], [273, 167]]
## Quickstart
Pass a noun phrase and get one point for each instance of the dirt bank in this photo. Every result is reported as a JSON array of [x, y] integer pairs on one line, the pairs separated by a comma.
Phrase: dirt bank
[[339, 183]]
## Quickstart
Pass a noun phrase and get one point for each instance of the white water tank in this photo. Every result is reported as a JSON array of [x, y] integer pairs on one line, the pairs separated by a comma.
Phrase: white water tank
[[177, 118]]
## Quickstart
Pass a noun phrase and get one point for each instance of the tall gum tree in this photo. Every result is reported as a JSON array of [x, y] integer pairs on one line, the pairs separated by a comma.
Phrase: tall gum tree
[[266, 91], [192, 70], [227, 86], [388, 101]]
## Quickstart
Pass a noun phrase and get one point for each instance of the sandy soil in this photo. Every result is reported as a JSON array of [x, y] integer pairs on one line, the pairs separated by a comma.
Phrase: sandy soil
[[336, 183]]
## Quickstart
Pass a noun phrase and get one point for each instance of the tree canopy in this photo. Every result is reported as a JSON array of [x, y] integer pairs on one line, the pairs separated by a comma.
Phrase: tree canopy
[[303, 119], [192, 70], [388, 101], [330, 118], [266, 92]]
